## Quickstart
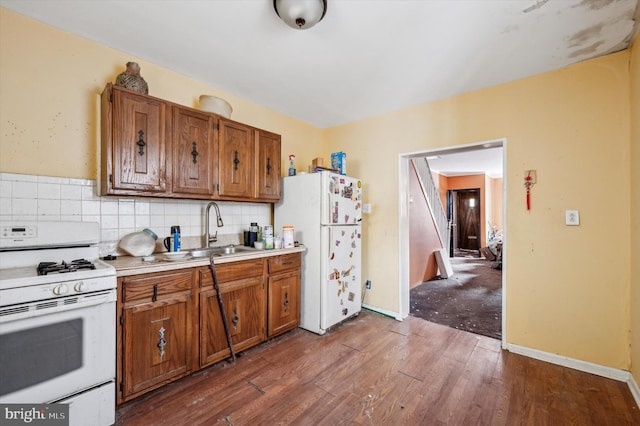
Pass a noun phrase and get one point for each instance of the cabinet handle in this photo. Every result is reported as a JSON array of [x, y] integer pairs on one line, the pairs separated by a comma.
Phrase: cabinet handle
[[287, 263], [154, 298], [161, 342], [194, 152], [268, 166], [286, 301], [235, 160], [235, 319], [141, 143]]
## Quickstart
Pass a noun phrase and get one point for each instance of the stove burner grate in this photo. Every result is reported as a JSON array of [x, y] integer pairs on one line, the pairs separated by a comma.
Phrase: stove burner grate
[[46, 267]]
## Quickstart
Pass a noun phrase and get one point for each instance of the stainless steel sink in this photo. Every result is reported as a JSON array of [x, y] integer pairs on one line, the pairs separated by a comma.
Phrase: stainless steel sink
[[219, 251]]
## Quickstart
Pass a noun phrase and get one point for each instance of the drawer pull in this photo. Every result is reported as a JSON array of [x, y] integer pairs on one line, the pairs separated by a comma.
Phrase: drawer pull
[[235, 160], [162, 342], [286, 263], [141, 143], [235, 319], [194, 152]]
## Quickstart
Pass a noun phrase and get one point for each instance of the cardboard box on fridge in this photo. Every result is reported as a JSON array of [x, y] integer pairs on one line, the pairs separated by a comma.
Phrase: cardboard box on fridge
[[339, 162]]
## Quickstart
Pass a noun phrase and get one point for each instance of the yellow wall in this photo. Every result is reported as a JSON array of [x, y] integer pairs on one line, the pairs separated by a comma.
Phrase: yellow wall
[[635, 209], [496, 203], [567, 287], [49, 81]]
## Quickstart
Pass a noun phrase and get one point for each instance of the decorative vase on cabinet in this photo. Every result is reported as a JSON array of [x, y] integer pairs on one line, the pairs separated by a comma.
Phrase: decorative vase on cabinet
[[131, 79]]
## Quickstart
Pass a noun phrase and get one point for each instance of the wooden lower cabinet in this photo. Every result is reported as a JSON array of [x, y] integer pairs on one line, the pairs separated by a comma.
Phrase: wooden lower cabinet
[[156, 330], [283, 294], [242, 285], [170, 323], [157, 338]]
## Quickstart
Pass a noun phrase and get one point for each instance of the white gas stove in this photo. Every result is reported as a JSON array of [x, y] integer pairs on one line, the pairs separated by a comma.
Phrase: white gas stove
[[57, 319]]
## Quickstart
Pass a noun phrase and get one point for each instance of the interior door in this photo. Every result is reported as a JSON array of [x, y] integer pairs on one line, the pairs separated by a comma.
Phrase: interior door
[[468, 219]]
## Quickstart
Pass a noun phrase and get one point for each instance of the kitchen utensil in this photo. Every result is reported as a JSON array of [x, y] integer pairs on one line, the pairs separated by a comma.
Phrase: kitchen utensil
[[139, 243], [225, 323]]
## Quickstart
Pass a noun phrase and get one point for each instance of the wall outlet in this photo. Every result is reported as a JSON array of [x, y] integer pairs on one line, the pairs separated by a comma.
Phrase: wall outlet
[[366, 208], [572, 217], [367, 285]]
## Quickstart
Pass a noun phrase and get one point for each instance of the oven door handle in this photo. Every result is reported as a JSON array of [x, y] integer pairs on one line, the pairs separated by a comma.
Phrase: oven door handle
[[52, 306]]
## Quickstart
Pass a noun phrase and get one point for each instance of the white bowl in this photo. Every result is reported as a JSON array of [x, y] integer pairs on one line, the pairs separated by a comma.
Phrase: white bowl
[[259, 245], [175, 255], [215, 105]]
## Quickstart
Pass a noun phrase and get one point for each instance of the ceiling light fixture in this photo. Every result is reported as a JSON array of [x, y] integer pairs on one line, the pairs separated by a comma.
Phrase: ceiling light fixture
[[300, 14]]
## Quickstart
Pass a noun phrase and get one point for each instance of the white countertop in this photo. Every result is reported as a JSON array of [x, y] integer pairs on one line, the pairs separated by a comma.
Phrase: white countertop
[[130, 265]]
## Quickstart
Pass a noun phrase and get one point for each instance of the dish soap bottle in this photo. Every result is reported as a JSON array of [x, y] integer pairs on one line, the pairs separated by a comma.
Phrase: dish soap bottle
[[292, 165]]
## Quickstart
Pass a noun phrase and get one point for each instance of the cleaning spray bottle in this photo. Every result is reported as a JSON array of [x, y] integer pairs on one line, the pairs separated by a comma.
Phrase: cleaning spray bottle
[[292, 165]]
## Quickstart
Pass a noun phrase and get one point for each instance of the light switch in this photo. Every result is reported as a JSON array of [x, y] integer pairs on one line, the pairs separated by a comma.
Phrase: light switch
[[366, 208], [572, 217]]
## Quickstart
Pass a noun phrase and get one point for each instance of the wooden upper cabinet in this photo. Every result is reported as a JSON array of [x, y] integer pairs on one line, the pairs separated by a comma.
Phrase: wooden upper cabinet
[[194, 152], [236, 160], [268, 165], [134, 142], [155, 148]]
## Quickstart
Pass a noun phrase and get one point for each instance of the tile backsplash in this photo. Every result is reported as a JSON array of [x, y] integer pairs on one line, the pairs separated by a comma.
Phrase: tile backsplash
[[40, 198]]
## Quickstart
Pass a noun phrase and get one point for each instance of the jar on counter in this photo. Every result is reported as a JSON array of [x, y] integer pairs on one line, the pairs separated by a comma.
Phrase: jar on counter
[[253, 233], [268, 243], [287, 237]]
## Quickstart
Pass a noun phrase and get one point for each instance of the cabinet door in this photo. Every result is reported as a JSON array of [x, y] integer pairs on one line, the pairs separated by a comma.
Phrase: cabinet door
[[283, 302], [193, 150], [236, 160], [243, 296], [268, 165], [156, 343], [137, 143], [244, 309]]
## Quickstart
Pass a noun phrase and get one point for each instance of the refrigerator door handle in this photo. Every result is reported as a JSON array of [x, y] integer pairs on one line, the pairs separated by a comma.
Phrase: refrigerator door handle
[[330, 229], [328, 212]]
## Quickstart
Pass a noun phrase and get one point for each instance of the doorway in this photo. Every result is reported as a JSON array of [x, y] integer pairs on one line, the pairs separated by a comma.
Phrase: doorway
[[404, 203], [465, 221]]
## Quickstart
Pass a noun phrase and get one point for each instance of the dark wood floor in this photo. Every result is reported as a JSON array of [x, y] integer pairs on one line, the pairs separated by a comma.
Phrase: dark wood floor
[[374, 370]]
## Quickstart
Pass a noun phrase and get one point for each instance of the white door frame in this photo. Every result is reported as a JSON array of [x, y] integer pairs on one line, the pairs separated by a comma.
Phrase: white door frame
[[403, 221]]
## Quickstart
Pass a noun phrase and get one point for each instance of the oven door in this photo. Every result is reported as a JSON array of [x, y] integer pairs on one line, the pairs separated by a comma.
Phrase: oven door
[[58, 352]]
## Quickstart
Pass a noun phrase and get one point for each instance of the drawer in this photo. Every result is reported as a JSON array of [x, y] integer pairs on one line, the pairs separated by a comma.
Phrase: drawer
[[284, 262], [158, 286], [233, 271]]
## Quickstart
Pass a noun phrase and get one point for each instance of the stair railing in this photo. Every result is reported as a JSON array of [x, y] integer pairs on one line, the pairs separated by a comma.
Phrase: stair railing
[[432, 195]]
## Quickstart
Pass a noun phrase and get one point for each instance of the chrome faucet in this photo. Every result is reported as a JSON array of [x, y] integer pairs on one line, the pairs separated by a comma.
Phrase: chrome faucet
[[208, 239]]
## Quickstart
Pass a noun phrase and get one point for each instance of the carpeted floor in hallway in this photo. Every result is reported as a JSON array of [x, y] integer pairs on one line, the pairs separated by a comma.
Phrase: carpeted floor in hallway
[[470, 300]]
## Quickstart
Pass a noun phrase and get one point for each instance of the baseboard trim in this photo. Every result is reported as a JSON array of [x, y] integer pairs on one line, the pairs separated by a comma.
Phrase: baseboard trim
[[635, 390], [576, 364], [384, 312]]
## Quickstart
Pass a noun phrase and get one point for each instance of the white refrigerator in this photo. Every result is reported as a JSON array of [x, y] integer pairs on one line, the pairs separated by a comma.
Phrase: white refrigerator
[[325, 210]]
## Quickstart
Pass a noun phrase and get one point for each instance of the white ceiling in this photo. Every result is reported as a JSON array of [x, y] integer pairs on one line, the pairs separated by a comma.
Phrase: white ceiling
[[469, 161], [363, 59]]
